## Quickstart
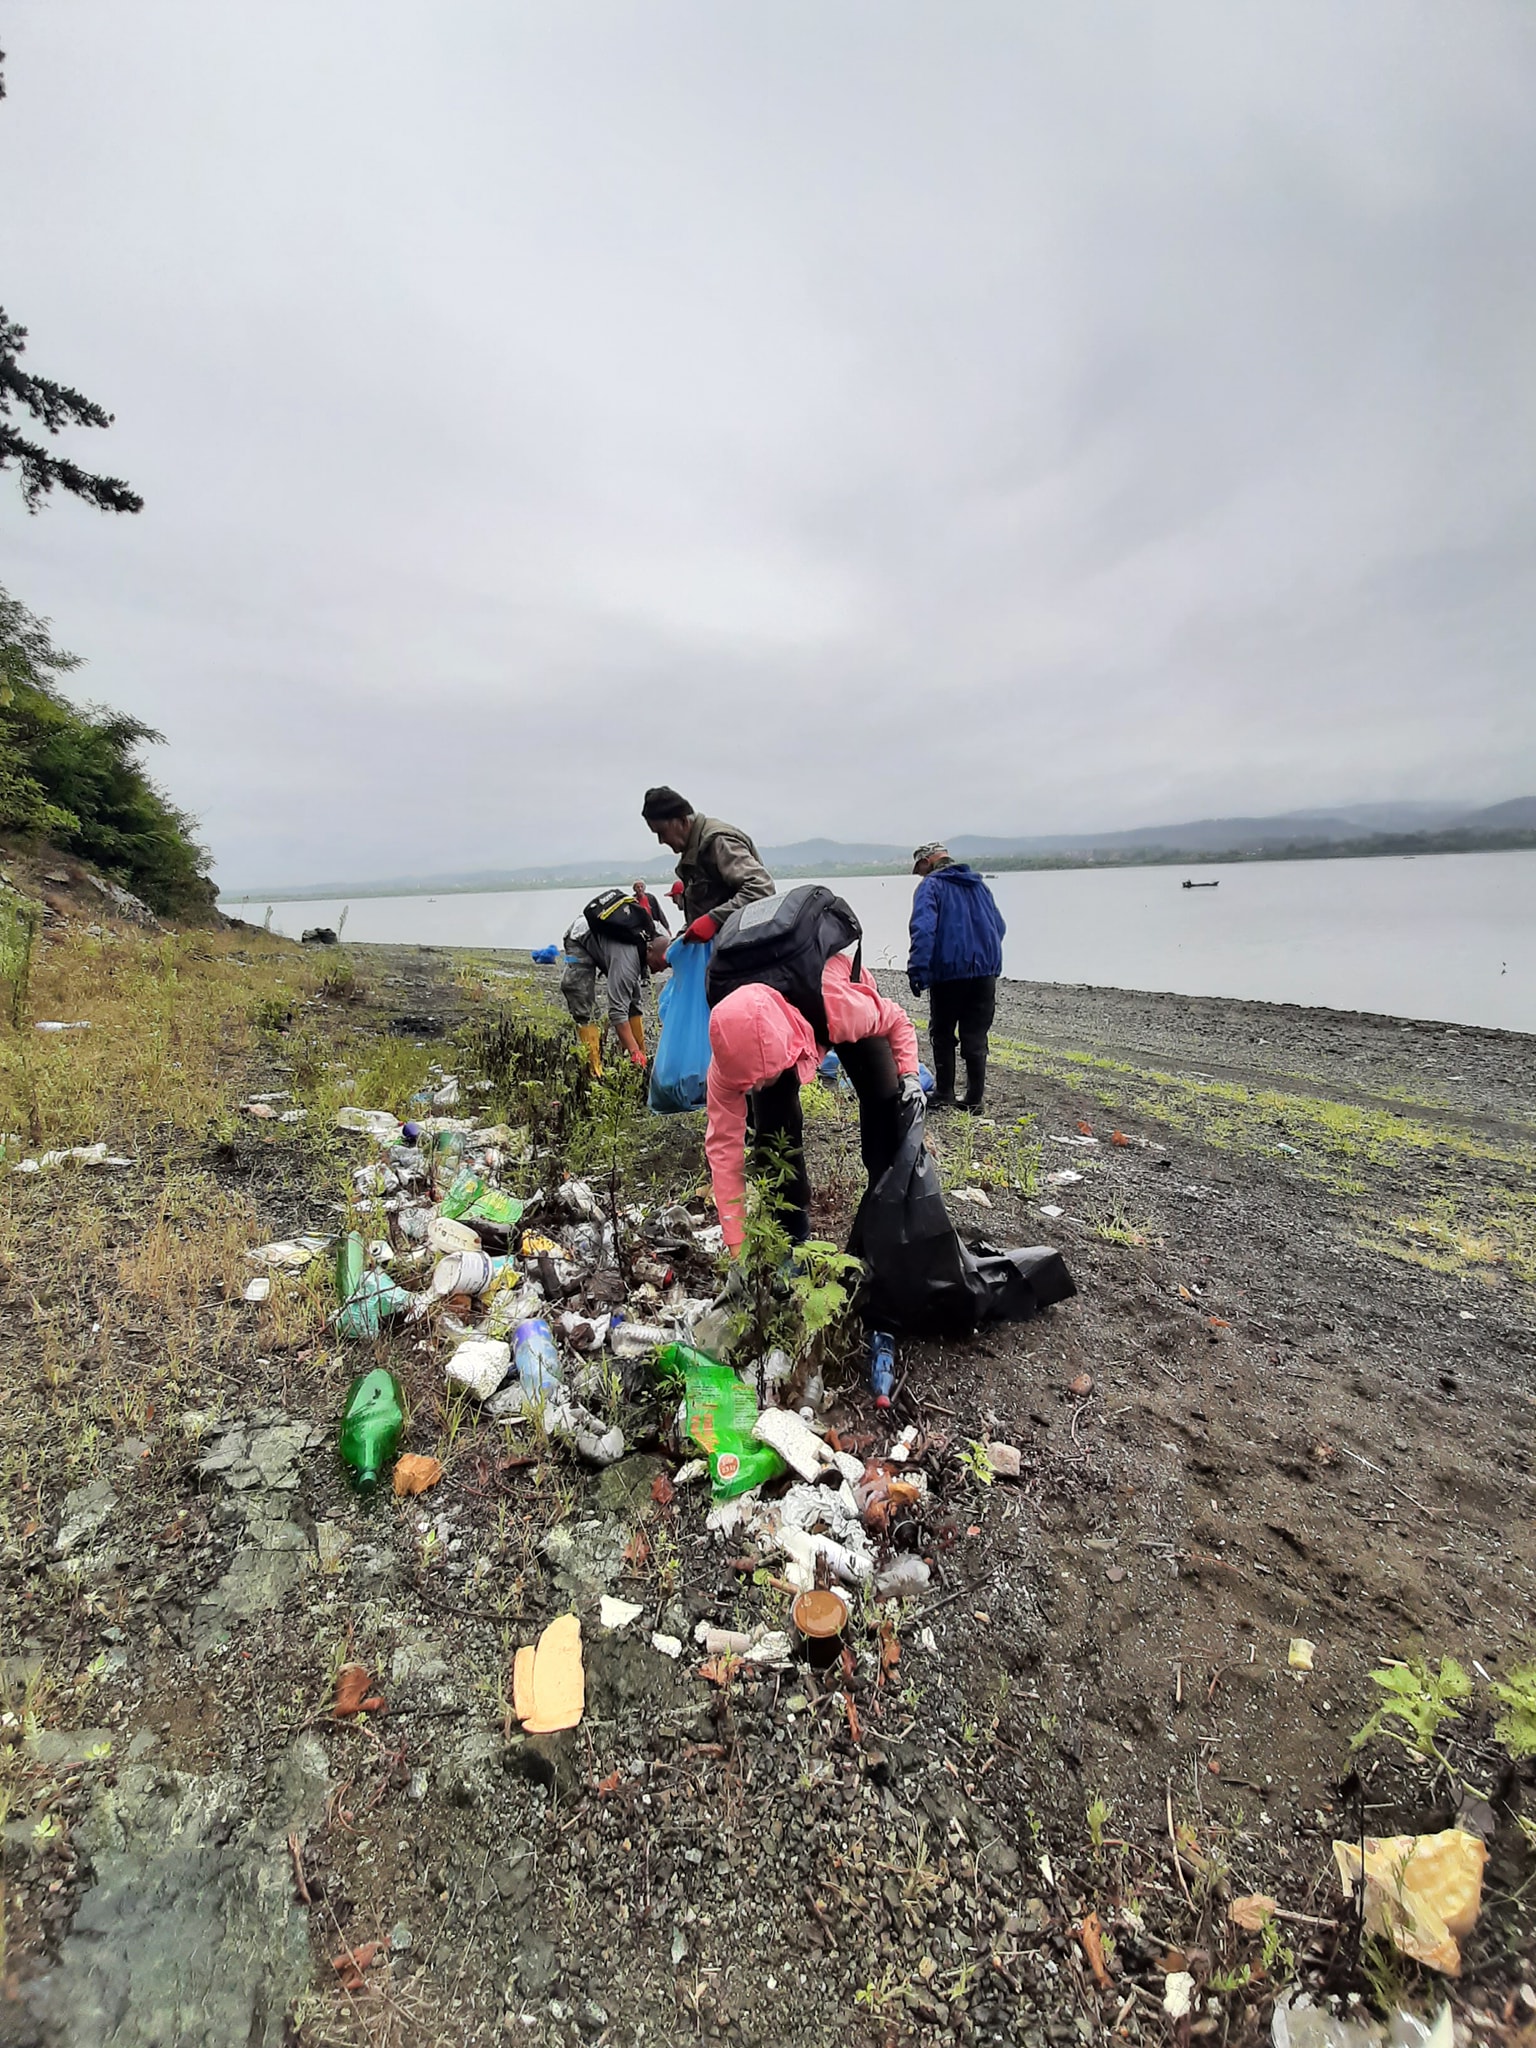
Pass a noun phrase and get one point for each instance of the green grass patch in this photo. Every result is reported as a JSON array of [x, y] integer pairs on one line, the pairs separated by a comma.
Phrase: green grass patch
[[1358, 1153]]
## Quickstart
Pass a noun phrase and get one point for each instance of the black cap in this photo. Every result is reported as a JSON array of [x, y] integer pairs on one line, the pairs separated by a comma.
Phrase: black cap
[[662, 802]]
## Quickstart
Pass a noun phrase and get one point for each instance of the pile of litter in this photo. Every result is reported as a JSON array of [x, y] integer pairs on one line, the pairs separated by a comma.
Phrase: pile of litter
[[559, 1308], [541, 1303]]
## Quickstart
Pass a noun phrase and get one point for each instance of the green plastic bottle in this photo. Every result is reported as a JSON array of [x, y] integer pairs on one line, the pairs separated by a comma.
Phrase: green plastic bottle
[[372, 1421], [351, 1264]]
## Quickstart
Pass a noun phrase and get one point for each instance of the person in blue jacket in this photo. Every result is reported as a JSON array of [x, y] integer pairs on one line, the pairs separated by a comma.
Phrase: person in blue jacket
[[957, 954]]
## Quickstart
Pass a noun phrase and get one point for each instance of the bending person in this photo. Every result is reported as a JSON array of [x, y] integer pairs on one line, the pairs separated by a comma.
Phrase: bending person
[[763, 1048], [614, 937]]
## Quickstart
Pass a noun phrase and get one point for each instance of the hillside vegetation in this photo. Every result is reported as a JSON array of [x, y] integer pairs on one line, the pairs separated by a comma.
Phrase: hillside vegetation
[[72, 776]]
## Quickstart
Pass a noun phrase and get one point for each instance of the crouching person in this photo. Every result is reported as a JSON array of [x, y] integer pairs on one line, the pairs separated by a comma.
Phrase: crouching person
[[615, 938], [763, 1047]]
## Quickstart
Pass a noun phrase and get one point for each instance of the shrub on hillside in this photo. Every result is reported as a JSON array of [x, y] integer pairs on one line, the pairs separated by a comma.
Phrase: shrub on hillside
[[72, 776]]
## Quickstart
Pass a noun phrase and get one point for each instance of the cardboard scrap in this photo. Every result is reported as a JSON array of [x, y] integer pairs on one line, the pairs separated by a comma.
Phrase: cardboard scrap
[[549, 1684], [414, 1473], [522, 1682], [1423, 1892]]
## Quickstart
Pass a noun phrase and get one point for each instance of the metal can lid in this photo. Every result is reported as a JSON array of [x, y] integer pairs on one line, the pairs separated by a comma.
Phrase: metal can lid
[[820, 1612]]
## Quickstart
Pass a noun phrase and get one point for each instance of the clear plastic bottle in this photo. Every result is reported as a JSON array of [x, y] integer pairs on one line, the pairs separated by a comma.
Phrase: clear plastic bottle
[[447, 1158], [538, 1362]]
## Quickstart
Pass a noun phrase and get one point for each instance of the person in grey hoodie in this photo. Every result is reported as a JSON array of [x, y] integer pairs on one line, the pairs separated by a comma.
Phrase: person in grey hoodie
[[956, 953]]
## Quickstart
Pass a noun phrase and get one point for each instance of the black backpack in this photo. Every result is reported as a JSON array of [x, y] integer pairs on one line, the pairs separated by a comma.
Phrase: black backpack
[[618, 914], [784, 942]]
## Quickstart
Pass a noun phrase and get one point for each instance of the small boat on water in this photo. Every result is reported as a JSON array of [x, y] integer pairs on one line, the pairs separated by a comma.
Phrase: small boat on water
[[1204, 885]]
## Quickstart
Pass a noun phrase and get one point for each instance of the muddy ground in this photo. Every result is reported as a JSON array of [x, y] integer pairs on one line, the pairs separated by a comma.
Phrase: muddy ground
[[1293, 1398]]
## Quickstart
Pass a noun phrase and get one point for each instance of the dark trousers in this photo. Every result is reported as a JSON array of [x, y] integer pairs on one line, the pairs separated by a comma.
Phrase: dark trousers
[[778, 1127], [966, 1008]]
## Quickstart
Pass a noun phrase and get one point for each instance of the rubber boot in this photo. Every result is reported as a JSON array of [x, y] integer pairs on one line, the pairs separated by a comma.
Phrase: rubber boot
[[591, 1036], [943, 1096], [975, 1084]]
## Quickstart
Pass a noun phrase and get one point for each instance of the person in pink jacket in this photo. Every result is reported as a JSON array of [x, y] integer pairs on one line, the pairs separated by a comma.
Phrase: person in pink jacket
[[762, 1048]]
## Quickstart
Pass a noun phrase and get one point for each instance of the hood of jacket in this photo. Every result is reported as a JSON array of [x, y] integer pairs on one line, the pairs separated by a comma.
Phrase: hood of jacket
[[755, 1035], [958, 875]]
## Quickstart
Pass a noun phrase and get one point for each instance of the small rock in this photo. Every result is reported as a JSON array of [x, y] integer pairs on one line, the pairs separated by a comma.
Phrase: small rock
[[1004, 1460], [419, 1660], [67, 1748], [85, 1510], [617, 1614], [625, 1488]]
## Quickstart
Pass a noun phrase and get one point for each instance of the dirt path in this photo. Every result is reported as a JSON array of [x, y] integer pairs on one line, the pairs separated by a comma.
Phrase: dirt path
[[1293, 1398]]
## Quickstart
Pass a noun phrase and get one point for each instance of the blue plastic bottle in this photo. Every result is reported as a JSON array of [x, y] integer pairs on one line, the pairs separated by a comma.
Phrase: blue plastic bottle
[[882, 1366]]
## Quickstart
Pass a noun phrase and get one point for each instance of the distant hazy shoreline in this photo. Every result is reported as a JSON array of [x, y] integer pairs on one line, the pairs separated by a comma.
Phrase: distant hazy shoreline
[[1405, 845]]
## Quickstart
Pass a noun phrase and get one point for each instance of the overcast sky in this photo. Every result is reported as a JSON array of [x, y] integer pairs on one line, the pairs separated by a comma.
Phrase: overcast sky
[[877, 420]]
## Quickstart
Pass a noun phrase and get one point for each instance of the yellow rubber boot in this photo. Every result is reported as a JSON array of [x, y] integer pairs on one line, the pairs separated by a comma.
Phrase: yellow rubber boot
[[591, 1036]]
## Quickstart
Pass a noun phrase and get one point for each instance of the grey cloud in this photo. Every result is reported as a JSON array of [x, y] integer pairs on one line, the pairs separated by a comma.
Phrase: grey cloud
[[988, 417]]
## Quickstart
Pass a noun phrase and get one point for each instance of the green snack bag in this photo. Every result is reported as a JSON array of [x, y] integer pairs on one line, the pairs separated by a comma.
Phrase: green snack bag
[[493, 1207], [721, 1412], [467, 1189]]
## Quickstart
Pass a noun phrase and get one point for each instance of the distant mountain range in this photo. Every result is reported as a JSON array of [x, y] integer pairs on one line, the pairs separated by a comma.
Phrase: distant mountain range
[[1364, 828]]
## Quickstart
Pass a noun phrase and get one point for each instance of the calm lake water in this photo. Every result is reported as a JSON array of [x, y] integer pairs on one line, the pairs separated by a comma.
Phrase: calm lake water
[[1451, 937]]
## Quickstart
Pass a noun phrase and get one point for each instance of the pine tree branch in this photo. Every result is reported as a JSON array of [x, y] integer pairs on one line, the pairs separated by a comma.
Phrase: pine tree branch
[[40, 471]]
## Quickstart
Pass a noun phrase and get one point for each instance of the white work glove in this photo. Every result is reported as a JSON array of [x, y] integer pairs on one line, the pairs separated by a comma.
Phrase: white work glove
[[912, 1096]]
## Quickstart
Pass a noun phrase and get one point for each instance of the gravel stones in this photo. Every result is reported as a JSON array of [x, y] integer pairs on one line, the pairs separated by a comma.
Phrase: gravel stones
[[258, 1462], [191, 1933], [587, 1556]]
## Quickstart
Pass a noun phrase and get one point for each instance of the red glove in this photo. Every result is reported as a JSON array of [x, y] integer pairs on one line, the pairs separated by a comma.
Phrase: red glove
[[702, 929], [637, 1058]]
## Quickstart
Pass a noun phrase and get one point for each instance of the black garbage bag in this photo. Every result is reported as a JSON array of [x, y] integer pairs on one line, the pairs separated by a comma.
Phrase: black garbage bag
[[923, 1279]]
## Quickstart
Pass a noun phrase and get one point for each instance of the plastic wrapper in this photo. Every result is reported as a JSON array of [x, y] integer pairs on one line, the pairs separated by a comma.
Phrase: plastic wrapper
[[722, 1411], [1423, 1892]]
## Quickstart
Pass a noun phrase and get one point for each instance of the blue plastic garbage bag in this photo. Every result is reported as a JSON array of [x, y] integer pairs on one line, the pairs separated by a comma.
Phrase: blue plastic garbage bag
[[545, 956], [680, 1070], [925, 1075]]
